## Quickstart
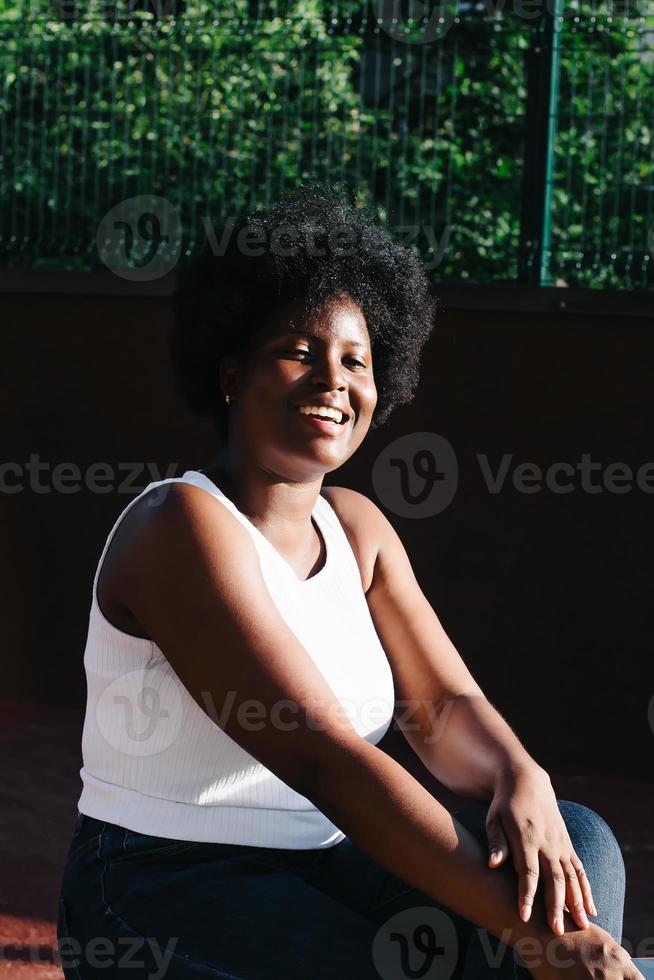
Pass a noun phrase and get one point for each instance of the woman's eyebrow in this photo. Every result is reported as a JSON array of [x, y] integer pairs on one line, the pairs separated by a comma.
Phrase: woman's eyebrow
[[307, 333]]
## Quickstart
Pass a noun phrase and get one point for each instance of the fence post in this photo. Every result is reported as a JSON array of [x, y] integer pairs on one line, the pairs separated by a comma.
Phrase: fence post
[[543, 72]]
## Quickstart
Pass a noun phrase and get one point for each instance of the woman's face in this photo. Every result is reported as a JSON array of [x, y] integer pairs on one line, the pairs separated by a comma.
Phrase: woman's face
[[324, 359]]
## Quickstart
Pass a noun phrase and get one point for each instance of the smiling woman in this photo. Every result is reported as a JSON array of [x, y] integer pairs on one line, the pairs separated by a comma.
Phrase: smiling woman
[[333, 249], [250, 633]]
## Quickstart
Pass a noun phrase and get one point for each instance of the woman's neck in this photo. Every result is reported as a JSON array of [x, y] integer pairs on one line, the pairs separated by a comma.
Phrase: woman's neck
[[280, 510]]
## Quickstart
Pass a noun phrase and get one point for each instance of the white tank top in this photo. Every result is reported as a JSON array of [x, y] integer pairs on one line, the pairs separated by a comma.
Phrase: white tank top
[[155, 762]]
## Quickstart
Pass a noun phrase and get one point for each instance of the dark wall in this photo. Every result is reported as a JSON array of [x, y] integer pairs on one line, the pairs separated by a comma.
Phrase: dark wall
[[546, 595]]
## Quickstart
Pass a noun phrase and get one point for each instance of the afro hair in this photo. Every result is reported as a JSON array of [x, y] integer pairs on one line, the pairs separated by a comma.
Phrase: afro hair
[[313, 245]]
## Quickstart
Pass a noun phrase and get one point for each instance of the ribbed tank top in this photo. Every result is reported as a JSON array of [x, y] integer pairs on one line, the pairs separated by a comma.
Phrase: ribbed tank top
[[155, 762]]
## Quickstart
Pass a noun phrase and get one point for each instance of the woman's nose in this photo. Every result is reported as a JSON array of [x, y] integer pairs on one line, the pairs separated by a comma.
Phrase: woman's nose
[[329, 370]]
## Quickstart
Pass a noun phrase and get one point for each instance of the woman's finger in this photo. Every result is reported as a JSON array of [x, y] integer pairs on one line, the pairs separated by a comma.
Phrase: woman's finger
[[584, 884], [554, 882], [498, 845], [525, 862], [573, 895]]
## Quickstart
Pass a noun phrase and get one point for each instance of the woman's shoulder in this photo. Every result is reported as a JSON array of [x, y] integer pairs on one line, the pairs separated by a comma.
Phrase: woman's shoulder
[[359, 517], [165, 505]]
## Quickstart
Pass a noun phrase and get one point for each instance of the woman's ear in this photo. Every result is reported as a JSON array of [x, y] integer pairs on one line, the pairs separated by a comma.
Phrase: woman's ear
[[229, 374]]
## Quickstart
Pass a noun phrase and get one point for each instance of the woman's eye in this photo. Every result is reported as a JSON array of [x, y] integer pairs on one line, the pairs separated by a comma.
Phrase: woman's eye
[[291, 353]]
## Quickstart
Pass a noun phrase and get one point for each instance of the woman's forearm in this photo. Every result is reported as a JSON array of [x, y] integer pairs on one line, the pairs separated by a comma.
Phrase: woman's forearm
[[391, 816], [471, 747]]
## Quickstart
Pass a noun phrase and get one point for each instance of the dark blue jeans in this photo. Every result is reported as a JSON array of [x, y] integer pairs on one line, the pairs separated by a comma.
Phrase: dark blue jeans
[[136, 906]]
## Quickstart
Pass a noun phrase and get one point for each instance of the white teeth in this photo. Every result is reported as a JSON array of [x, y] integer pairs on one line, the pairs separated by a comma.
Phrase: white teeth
[[328, 413]]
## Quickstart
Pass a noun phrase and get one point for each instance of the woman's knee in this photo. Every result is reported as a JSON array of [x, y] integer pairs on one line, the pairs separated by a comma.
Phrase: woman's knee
[[599, 852], [592, 838]]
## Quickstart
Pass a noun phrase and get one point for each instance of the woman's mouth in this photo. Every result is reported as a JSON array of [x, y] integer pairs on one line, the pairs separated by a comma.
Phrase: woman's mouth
[[323, 424]]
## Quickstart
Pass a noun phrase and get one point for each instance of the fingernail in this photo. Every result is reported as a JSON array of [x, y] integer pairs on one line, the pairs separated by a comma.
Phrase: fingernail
[[525, 912], [595, 912], [495, 855], [584, 918]]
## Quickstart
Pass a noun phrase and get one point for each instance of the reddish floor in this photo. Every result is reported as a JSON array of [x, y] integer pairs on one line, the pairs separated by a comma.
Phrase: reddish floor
[[41, 760]]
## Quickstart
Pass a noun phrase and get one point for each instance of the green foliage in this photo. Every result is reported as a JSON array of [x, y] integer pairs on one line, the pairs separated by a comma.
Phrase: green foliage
[[603, 194], [215, 107]]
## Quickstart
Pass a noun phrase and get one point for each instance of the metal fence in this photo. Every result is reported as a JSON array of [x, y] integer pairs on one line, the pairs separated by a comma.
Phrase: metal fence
[[502, 144], [602, 212]]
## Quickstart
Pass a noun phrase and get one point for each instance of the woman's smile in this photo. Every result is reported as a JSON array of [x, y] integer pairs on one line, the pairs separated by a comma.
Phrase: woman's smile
[[322, 424]]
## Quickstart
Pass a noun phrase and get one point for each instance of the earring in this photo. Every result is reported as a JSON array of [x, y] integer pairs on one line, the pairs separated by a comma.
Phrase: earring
[[227, 399]]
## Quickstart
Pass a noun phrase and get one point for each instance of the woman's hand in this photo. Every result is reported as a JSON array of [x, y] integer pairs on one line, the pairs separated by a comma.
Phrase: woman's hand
[[524, 820], [591, 953]]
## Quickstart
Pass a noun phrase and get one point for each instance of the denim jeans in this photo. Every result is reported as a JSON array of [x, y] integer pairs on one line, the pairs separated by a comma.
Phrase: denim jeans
[[137, 906]]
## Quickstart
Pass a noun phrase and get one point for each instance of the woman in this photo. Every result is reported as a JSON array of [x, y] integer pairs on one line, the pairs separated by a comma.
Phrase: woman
[[250, 637]]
